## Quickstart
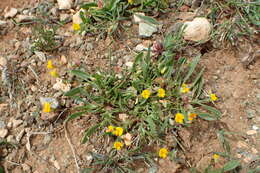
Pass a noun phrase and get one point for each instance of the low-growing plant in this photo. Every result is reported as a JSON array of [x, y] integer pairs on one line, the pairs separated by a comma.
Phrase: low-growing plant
[[44, 39], [105, 16], [232, 164], [145, 104], [234, 19]]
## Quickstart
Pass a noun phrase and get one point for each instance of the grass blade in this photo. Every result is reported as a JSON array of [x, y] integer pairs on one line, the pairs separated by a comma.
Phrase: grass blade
[[192, 67]]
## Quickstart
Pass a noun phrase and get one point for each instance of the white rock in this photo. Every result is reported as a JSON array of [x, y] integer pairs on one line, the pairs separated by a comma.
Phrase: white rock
[[129, 64], [54, 103], [11, 139], [24, 18], [40, 55], [197, 30], [251, 132], [255, 127], [9, 125], [20, 135], [137, 19], [140, 48], [11, 13], [147, 29], [56, 164], [3, 133], [16, 123], [65, 17], [76, 17], [3, 23], [26, 168], [64, 4], [3, 62], [59, 85]]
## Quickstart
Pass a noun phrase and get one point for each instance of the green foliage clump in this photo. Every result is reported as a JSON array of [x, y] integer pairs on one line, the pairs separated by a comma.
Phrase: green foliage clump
[[149, 120]]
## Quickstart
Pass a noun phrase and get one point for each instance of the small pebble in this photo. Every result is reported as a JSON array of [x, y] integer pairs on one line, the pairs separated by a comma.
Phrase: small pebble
[[3, 133], [251, 132]]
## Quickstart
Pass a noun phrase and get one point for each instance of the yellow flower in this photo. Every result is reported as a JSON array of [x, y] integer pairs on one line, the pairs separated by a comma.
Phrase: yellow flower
[[130, 1], [54, 73], [215, 157], [76, 26], [163, 152], [161, 93], [46, 107], [179, 118], [213, 97], [146, 94], [49, 64], [191, 116], [118, 145], [110, 129], [184, 88], [118, 131]]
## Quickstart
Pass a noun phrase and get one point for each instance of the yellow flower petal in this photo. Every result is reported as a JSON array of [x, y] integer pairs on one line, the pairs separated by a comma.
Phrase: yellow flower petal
[[110, 129], [46, 107], [146, 94], [130, 1], [76, 26], [49, 64], [118, 131], [54, 73], [191, 116], [161, 92], [163, 152], [213, 97], [184, 88], [179, 118], [215, 157], [118, 145]]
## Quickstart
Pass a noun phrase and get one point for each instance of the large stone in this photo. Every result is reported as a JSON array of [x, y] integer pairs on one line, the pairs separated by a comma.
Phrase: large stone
[[147, 29], [197, 30], [11, 13], [64, 4]]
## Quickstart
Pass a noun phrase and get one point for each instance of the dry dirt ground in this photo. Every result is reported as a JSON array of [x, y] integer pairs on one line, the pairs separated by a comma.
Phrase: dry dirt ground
[[238, 88]]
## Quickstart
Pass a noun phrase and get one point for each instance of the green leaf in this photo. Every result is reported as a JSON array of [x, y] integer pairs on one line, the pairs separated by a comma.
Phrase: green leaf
[[81, 74], [73, 92], [89, 5], [149, 19], [2, 170], [216, 112], [231, 165], [152, 125], [192, 67], [199, 76], [75, 115], [137, 60], [87, 170], [89, 132], [207, 117]]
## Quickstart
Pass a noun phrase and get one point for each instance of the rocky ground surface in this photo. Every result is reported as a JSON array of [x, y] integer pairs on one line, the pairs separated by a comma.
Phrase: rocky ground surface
[[40, 144]]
